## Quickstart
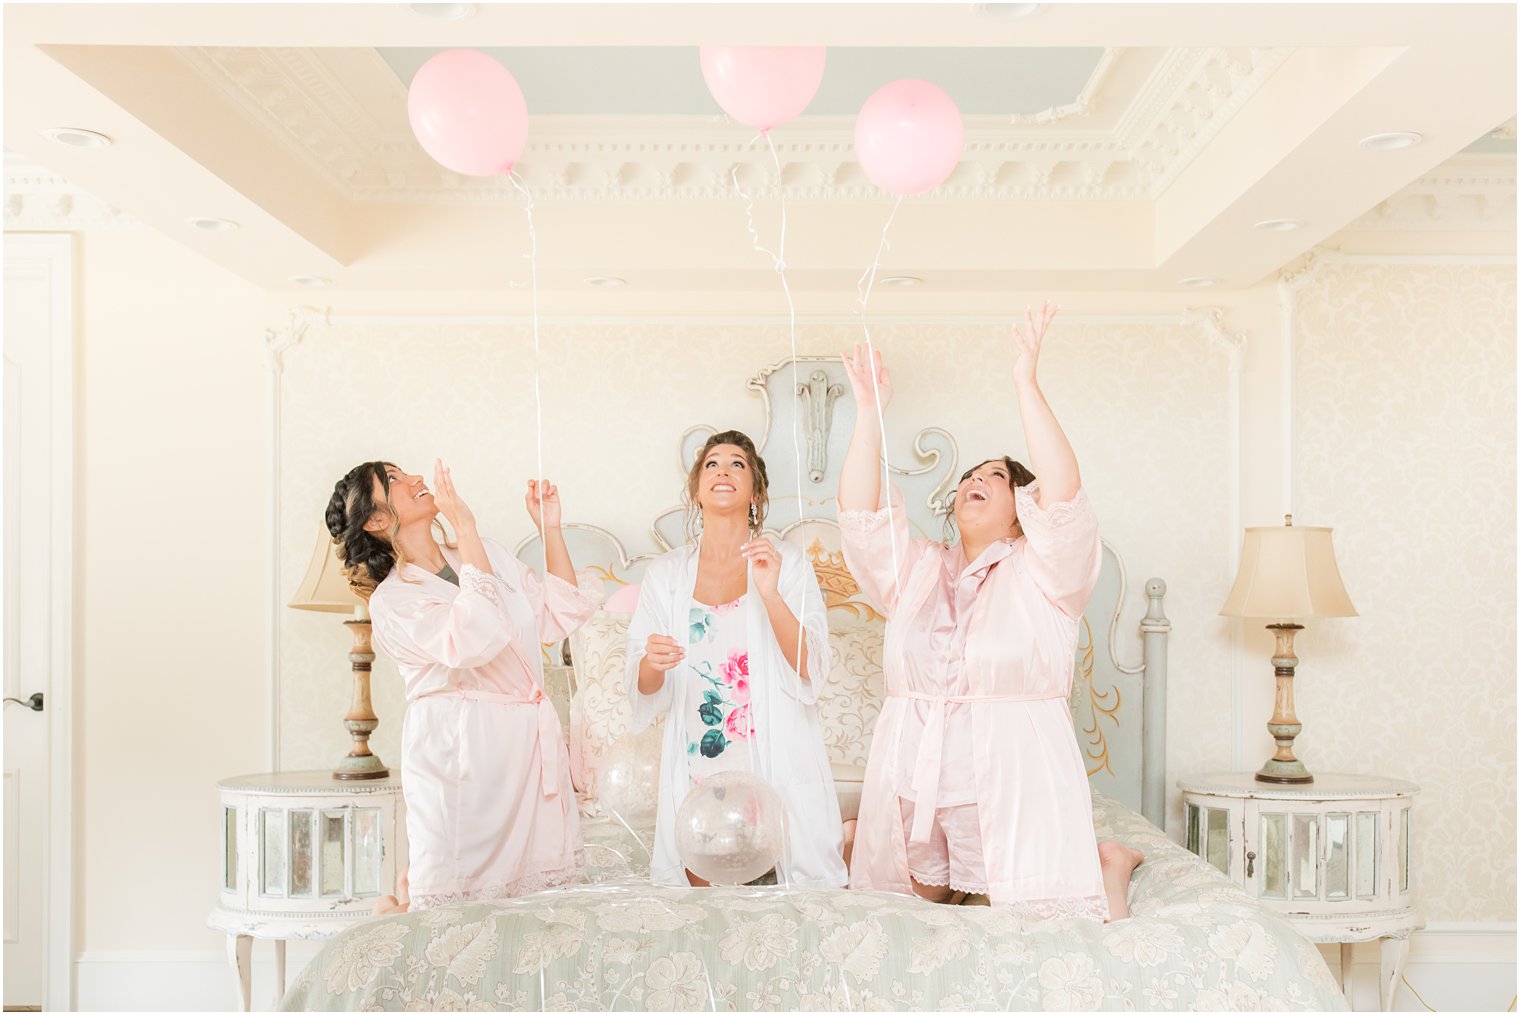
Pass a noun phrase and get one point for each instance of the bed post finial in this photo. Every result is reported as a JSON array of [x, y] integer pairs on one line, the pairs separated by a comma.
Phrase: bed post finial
[[1154, 628]]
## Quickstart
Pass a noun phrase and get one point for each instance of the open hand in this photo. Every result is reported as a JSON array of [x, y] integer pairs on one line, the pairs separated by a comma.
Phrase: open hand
[[447, 499], [1027, 338], [868, 377]]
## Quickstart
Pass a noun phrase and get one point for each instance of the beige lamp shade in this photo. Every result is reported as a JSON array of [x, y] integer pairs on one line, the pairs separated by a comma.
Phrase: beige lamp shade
[[324, 588], [1288, 572]]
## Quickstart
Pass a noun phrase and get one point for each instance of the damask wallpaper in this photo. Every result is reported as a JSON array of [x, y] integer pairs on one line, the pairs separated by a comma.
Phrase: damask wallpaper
[[1404, 385]]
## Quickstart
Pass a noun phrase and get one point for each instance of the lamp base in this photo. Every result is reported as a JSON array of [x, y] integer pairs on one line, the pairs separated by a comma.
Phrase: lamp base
[[1283, 768], [365, 766], [360, 721], [1284, 773]]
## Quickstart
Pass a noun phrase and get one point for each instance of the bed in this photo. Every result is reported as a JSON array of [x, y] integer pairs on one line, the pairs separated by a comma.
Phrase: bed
[[617, 942]]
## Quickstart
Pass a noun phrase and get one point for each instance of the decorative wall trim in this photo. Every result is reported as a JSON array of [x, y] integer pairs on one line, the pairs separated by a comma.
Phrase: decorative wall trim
[[38, 200], [1211, 319], [1470, 192], [277, 342], [1082, 105]]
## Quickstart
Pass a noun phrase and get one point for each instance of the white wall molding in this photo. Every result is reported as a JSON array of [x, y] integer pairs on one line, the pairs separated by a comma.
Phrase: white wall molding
[[1471, 192], [349, 319], [1211, 320], [277, 342], [38, 200]]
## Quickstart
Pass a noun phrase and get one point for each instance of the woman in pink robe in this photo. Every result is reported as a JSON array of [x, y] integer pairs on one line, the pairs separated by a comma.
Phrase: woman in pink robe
[[975, 782], [490, 811]]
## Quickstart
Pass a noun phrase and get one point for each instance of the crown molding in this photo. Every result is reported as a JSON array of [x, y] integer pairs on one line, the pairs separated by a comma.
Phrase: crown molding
[[343, 114], [38, 200]]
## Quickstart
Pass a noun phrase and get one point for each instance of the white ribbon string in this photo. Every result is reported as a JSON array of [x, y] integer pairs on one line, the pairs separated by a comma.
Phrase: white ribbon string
[[778, 262], [538, 398], [864, 286]]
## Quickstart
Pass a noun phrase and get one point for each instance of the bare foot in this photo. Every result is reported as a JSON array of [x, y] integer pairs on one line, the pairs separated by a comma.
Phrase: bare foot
[[398, 903], [388, 904], [1119, 862]]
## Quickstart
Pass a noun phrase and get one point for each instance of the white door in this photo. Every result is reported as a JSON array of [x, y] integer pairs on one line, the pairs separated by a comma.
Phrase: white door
[[38, 316]]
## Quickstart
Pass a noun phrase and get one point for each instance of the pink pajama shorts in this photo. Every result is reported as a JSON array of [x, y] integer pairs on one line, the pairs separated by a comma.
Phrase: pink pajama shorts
[[953, 854]]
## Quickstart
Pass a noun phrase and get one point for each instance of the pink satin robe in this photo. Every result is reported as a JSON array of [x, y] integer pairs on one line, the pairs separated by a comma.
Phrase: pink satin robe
[[1006, 697], [490, 811]]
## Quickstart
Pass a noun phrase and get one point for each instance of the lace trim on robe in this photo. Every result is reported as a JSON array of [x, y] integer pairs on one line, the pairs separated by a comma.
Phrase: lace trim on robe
[[495, 890], [473, 579]]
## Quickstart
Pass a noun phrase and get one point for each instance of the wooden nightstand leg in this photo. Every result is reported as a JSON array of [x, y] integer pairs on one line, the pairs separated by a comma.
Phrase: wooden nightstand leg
[[240, 958], [1391, 969], [1343, 973], [279, 972]]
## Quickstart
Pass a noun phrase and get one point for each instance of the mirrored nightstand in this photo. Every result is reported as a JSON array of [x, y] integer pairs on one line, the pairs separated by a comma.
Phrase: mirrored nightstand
[[303, 856], [1334, 856]]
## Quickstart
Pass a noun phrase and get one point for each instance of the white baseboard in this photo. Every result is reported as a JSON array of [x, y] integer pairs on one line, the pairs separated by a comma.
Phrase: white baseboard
[[1453, 966], [180, 981]]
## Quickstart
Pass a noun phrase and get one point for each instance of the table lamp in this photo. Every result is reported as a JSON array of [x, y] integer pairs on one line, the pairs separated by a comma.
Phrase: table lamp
[[325, 589], [1287, 573]]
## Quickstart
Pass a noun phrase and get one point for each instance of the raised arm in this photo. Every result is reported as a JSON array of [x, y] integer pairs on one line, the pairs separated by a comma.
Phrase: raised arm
[[1050, 455], [544, 509], [471, 550], [860, 475]]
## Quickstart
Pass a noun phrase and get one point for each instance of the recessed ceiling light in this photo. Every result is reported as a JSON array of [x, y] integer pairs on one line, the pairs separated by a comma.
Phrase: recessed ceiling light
[[77, 137], [605, 281], [211, 225], [442, 12], [1390, 142], [901, 281], [310, 281], [1198, 281], [1008, 12], [1279, 225]]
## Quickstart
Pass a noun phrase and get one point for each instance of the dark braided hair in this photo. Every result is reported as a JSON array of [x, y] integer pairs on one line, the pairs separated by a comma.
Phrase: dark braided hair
[[367, 558]]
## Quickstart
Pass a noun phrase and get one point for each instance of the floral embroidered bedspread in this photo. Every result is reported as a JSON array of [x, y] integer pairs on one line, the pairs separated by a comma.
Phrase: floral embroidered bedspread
[[618, 943]]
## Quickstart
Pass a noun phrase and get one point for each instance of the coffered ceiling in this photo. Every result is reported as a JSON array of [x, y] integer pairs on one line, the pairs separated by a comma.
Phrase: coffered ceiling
[[1107, 146]]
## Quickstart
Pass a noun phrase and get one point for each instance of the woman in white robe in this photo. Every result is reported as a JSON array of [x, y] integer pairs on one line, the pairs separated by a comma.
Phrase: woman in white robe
[[730, 642]]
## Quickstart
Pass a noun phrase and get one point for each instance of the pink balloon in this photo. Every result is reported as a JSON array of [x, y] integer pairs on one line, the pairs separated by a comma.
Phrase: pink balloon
[[624, 600], [468, 112], [763, 86], [909, 137]]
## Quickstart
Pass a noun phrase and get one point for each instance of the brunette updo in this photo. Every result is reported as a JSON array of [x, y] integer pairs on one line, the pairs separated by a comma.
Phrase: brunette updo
[[367, 557]]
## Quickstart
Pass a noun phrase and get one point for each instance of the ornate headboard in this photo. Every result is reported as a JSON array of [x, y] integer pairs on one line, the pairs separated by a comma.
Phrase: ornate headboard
[[1118, 697]]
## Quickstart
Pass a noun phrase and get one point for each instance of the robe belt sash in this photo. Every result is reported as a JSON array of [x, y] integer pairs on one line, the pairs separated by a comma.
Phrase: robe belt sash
[[931, 749], [551, 744]]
